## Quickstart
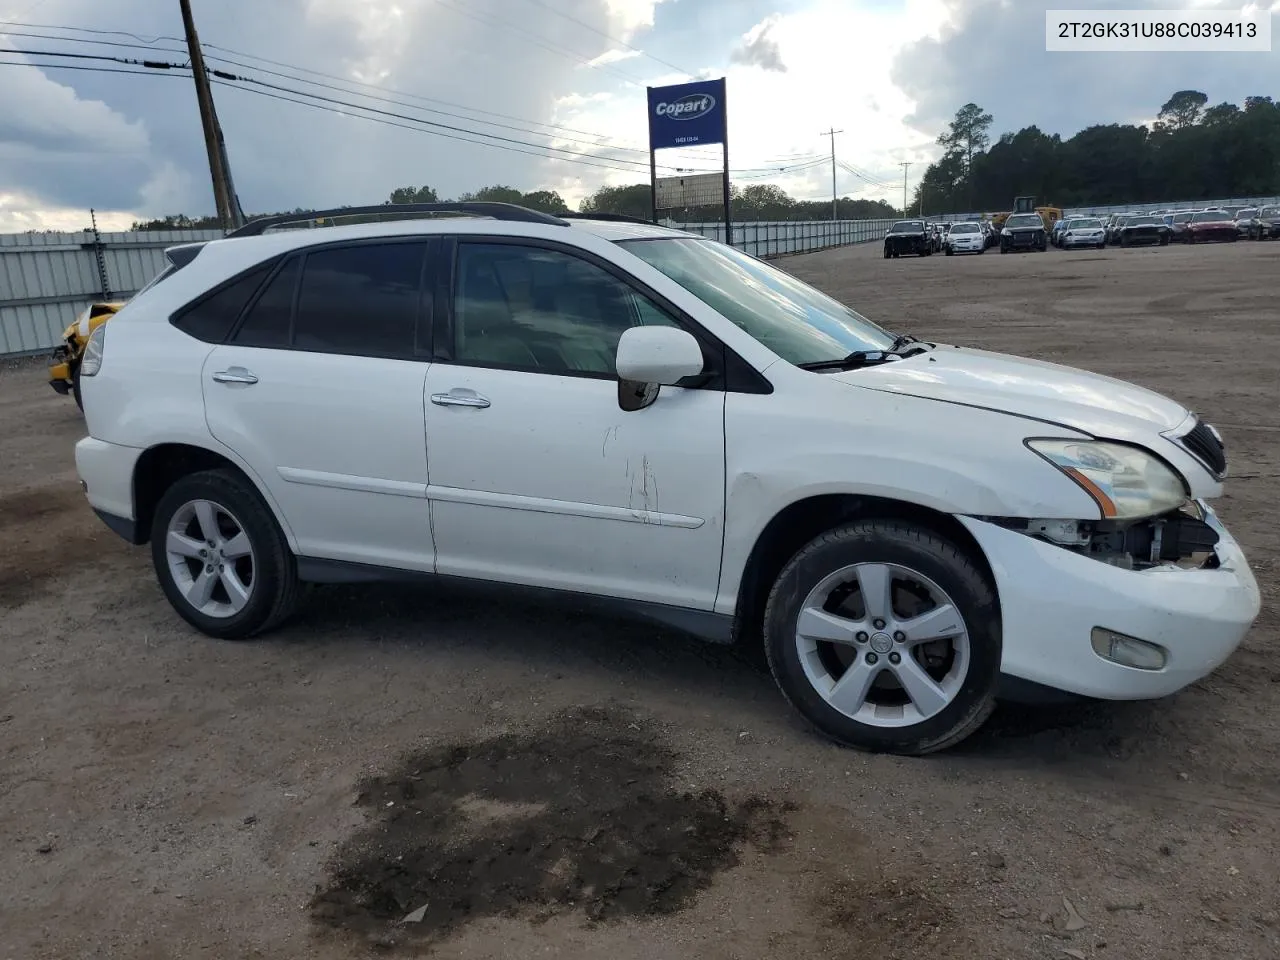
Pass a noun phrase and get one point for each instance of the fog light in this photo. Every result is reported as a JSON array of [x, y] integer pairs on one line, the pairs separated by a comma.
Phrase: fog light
[[1128, 651]]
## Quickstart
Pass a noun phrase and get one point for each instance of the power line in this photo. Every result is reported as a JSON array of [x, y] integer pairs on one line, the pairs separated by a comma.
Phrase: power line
[[108, 33], [104, 43], [539, 41], [405, 126], [611, 39], [70, 66]]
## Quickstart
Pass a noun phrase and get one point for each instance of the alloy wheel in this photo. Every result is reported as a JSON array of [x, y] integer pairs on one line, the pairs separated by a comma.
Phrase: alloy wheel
[[210, 558], [883, 644]]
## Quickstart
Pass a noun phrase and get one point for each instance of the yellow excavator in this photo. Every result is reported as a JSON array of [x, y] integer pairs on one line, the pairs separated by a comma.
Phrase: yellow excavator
[[1050, 215]]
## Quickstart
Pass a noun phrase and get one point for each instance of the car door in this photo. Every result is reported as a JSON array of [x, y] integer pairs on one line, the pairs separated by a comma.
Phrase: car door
[[320, 390], [537, 476]]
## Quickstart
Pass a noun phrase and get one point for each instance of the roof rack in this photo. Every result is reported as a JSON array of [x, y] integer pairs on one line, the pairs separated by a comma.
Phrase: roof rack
[[497, 211], [612, 217]]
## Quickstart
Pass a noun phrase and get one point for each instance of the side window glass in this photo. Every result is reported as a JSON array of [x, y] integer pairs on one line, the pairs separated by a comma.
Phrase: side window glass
[[361, 300], [526, 308], [267, 322], [212, 318]]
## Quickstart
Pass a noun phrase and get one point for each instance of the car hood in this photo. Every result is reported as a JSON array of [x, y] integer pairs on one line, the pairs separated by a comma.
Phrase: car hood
[[1087, 402]]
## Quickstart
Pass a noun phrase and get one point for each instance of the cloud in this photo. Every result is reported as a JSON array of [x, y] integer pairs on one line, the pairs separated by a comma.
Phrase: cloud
[[612, 56], [758, 48], [991, 52]]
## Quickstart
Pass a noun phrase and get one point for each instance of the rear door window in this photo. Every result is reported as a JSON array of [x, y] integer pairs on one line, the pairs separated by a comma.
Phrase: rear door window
[[362, 300]]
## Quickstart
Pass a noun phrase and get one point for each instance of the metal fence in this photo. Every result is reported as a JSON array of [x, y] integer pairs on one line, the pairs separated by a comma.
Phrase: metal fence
[[779, 238], [46, 279]]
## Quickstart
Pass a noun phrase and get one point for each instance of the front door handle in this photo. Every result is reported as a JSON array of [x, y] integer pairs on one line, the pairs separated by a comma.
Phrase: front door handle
[[234, 375], [460, 397]]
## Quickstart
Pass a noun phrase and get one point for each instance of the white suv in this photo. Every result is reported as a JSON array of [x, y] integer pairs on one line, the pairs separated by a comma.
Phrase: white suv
[[609, 408]]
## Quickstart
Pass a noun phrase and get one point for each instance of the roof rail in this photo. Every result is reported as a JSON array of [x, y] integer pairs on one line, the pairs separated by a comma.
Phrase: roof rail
[[612, 217], [478, 208]]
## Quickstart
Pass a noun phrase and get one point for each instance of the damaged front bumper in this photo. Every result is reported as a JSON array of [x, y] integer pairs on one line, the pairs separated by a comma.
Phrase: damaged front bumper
[[1188, 600]]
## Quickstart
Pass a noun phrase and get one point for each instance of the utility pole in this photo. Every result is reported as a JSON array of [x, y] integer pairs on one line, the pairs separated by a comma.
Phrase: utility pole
[[832, 134], [222, 196], [905, 164]]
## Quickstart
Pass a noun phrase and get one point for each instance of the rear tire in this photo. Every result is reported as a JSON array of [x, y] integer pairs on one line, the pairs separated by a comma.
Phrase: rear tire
[[214, 528], [948, 684]]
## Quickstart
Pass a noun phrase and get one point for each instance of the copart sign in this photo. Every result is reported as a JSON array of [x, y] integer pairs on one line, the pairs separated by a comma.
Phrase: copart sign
[[687, 114]]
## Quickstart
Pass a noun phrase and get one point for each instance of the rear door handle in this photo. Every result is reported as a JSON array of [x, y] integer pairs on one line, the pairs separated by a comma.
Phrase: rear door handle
[[235, 375], [460, 397]]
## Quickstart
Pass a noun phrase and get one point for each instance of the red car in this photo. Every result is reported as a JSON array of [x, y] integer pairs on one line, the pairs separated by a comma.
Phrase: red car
[[1210, 225]]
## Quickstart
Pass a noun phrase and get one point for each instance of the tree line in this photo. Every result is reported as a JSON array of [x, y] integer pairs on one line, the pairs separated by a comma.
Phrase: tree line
[[1191, 152], [758, 201]]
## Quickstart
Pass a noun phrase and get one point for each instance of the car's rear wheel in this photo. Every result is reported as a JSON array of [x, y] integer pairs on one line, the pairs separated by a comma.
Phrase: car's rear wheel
[[886, 637], [221, 558], [887, 254]]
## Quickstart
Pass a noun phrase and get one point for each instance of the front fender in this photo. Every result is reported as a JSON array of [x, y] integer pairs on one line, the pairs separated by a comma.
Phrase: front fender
[[944, 457]]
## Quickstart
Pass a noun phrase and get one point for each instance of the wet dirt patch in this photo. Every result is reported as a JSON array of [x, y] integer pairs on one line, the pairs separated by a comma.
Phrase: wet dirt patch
[[580, 815], [889, 917], [46, 532]]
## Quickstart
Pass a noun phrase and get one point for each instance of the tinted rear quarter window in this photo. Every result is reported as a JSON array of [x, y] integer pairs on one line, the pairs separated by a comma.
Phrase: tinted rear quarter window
[[212, 317], [267, 322]]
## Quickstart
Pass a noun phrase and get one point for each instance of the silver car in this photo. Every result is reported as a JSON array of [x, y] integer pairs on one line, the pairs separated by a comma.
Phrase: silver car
[[1083, 232]]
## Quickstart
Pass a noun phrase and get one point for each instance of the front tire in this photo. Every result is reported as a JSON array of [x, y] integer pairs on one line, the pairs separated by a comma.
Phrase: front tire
[[886, 637], [221, 558]]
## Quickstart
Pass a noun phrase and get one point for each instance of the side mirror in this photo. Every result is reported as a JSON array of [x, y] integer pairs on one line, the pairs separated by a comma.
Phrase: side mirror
[[652, 357]]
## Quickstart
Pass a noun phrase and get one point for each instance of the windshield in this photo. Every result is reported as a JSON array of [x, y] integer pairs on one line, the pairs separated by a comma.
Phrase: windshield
[[1181, 217], [1246, 214], [907, 226], [789, 317], [1085, 225], [1210, 216], [964, 228], [1270, 212], [1025, 220]]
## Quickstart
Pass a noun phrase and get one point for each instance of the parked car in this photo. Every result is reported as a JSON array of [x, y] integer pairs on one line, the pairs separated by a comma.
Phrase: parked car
[[1116, 225], [937, 236], [1244, 220], [1266, 225], [899, 524], [1210, 226], [1023, 231], [64, 365], [1143, 230], [991, 236], [908, 236], [964, 238], [1178, 224], [1055, 232], [1083, 232]]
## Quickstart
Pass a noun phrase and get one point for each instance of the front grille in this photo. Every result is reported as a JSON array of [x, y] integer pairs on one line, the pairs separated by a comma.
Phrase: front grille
[[1201, 443]]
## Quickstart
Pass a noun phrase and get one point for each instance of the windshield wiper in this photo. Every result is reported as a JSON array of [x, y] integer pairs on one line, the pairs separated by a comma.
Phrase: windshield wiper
[[859, 358]]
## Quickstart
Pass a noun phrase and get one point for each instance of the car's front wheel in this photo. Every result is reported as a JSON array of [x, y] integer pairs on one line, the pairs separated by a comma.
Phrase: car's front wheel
[[221, 558], [886, 636]]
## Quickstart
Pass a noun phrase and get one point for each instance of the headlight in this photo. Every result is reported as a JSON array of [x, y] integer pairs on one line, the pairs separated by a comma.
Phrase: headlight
[[1006, 232], [91, 362], [1125, 482]]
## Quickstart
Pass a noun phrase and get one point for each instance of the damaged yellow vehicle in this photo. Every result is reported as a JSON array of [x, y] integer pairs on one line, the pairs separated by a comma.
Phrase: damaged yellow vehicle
[[64, 366]]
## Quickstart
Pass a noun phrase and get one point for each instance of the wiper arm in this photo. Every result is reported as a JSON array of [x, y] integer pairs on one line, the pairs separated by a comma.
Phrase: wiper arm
[[859, 358], [901, 341], [905, 340]]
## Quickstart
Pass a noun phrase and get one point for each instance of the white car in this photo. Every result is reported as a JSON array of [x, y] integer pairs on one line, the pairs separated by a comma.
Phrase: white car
[[618, 411], [964, 237], [1083, 232]]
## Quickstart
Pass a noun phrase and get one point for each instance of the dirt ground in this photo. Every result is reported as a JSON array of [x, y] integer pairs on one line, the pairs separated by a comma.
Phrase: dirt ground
[[532, 781]]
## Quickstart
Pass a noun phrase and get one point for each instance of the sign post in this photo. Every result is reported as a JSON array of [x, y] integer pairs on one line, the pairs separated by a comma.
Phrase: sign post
[[686, 115]]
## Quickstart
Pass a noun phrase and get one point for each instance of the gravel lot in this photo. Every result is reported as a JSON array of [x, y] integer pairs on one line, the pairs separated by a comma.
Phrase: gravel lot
[[545, 782]]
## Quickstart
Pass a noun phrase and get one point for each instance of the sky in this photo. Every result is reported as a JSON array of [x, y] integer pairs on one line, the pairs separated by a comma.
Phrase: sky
[[562, 80]]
